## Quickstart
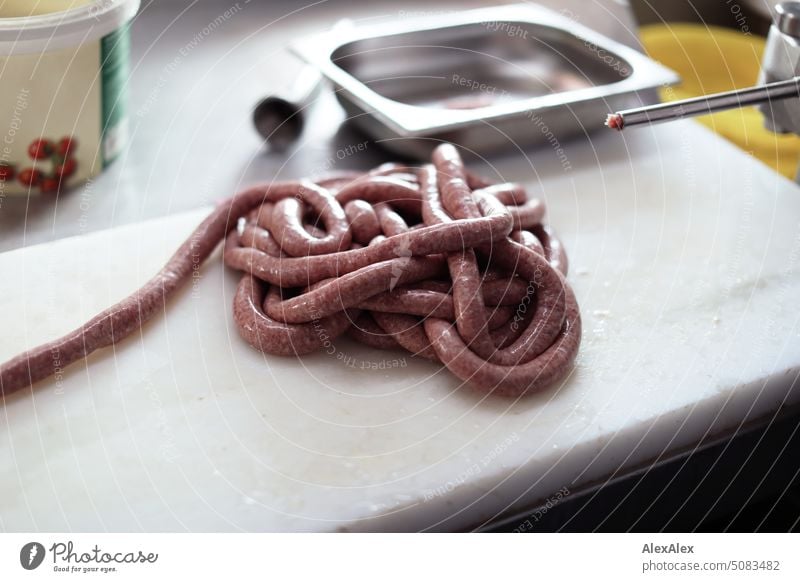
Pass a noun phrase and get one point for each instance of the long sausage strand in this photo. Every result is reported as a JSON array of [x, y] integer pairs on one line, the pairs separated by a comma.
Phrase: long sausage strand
[[434, 260]]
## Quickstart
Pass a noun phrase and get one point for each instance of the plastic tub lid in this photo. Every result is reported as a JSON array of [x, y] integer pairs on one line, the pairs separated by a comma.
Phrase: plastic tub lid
[[57, 30]]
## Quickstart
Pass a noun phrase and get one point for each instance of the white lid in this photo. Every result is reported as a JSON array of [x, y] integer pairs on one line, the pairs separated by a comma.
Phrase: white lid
[[57, 30]]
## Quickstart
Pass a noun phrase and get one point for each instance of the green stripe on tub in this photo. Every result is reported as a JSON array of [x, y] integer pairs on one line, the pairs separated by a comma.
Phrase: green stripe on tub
[[115, 66]]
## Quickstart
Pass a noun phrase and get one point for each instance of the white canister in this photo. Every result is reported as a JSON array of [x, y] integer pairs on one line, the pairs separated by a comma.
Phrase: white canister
[[64, 67]]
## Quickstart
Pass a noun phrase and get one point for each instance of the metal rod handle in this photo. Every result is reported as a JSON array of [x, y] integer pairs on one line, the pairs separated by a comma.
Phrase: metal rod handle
[[704, 105]]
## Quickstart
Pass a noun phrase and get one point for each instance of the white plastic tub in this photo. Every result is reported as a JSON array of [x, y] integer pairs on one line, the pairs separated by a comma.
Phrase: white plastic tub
[[64, 72]]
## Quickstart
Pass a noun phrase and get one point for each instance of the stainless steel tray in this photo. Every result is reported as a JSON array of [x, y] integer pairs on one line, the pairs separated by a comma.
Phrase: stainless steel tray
[[485, 79]]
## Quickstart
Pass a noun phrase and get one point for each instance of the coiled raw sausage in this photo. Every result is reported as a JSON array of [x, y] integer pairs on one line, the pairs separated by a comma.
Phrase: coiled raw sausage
[[433, 260]]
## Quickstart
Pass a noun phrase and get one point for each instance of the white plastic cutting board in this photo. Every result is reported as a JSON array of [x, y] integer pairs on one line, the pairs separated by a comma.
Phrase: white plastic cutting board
[[686, 261]]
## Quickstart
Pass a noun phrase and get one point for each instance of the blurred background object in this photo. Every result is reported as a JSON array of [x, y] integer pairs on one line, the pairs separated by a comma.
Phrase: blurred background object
[[279, 118], [754, 16], [717, 45], [711, 59]]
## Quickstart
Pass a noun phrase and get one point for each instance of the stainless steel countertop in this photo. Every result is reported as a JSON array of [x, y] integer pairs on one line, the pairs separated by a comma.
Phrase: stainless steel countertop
[[193, 86]]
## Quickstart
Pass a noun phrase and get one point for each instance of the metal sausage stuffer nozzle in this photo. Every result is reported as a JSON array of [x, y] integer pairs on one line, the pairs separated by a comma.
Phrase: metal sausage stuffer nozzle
[[781, 61]]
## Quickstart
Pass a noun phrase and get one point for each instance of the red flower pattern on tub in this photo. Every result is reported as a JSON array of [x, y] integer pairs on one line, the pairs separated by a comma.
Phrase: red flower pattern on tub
[[59, 153]]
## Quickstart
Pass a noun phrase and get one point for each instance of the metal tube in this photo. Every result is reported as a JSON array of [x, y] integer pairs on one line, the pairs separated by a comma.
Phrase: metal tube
[[704, 105], [280, 118]]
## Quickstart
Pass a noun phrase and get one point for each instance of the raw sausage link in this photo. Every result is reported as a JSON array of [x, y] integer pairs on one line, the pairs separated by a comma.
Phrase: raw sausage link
[[434, 260]]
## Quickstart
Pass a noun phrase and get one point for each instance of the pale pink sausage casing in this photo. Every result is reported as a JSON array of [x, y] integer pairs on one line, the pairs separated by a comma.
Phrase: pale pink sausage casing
[[433, 260]]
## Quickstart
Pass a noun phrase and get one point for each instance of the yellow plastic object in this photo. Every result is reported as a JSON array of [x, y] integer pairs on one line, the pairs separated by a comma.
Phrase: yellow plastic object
[[711, 59]]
